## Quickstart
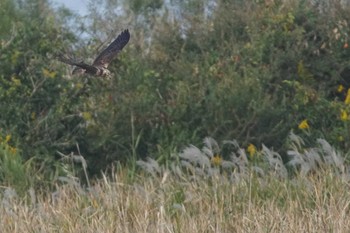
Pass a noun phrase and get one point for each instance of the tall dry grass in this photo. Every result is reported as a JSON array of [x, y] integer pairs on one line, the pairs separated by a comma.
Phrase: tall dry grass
[[169, 203], [197, 195]]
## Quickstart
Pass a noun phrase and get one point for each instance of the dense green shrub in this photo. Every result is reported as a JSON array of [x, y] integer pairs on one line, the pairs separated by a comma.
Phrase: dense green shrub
[[38, 107], [244, 70]]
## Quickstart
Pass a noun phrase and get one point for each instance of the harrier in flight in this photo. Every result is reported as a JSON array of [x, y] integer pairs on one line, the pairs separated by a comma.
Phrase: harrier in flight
[[99, 66]]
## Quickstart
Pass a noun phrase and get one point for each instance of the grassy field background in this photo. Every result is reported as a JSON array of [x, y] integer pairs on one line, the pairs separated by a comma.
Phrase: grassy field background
[[318, 203]]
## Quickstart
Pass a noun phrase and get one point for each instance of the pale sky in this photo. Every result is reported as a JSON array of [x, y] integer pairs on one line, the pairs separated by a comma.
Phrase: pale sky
[[77, 6]]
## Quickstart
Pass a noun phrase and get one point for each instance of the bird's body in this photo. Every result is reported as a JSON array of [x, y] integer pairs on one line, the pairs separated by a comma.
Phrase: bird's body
[[100, 65]]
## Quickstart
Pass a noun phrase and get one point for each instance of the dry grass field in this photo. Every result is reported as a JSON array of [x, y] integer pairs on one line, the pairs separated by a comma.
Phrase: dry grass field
[[209, 199], [169, 204]]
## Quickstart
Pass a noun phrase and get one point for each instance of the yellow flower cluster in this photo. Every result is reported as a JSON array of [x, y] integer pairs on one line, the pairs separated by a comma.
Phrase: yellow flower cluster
[[86, 116], [4, 142], [216, 160], [347, 98], [251, 150], [344, 116], [7, 138], [304, 125], [340, 88], [48, 74], [344, 113], [16, 81]]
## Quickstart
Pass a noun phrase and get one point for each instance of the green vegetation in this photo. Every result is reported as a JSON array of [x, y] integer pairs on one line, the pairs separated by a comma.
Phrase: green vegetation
[[268, 79]]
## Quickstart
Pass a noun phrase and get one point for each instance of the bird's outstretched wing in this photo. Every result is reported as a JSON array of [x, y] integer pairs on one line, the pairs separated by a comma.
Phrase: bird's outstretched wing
[[89, 69], [107, 55]]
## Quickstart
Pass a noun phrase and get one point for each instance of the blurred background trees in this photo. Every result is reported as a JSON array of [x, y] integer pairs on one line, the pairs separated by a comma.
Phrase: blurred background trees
[[245, 70]]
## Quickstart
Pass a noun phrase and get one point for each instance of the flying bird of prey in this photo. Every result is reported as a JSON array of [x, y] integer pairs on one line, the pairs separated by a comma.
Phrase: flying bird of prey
[[99, 66]]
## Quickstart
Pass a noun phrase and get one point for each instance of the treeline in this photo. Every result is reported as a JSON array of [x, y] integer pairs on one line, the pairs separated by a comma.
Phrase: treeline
[[245, 70]]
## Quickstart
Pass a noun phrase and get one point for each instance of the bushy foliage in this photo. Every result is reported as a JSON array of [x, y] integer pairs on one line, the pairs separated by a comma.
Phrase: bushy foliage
[[249, 70], [39, 107]]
